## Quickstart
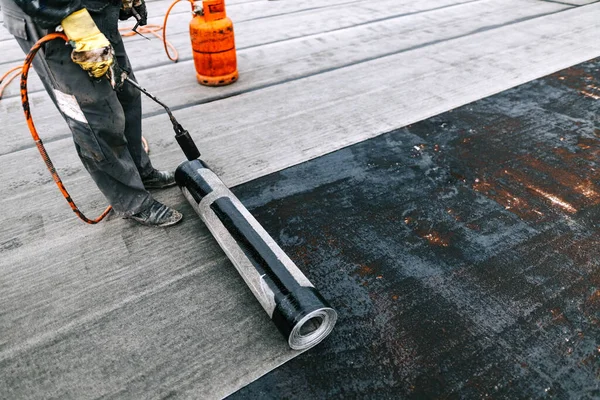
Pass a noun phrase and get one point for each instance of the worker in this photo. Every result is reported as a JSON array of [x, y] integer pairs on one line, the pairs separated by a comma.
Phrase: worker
[[104, 115]]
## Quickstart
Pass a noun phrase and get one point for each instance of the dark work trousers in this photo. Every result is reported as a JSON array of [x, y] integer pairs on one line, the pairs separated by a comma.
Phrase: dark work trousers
[[106, 125]]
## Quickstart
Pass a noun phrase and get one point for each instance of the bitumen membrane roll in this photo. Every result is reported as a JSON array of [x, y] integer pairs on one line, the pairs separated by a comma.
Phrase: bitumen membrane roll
[[296, 308]]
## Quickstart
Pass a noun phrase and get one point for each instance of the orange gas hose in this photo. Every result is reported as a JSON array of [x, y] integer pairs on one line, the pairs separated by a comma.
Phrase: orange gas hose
[[34, 133], [153, 29], [6, 79], [164, 29]]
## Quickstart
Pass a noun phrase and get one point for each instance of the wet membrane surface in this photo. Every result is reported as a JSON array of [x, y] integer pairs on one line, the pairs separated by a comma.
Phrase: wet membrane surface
[[462, 253]]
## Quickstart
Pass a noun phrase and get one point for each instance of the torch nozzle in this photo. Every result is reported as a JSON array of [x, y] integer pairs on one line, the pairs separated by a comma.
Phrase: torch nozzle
[[182, 136]]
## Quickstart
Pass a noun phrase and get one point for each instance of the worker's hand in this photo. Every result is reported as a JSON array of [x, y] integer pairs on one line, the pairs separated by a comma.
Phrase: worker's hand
[[134, 8], [117, 75], [91, 50]]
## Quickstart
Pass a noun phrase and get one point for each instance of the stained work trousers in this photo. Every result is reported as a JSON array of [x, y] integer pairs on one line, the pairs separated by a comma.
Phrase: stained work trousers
[[106, 125]]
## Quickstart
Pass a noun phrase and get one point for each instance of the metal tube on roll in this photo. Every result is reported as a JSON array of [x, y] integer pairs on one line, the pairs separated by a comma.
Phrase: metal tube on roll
[[298, 310]]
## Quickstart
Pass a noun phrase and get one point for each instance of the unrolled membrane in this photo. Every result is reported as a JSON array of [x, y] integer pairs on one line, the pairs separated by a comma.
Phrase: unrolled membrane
[[297, 309]]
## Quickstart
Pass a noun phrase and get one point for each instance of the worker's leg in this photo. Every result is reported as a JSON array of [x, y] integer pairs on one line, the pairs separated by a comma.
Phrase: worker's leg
[[97, 120], [131, 103], [129, 97]]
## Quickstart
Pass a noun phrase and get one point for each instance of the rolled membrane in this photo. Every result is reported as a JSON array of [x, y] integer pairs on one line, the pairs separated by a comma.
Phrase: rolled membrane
[[298, 310]]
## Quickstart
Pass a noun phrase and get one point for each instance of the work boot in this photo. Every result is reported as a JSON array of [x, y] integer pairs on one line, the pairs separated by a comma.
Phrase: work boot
[[159, 180], [157, 214]]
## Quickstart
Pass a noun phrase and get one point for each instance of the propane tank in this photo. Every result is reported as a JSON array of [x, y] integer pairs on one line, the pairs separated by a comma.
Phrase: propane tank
[[213, 44]]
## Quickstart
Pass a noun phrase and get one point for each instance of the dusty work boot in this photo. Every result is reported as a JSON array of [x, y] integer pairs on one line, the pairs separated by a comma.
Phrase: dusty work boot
[[157, 214], [159, 180]]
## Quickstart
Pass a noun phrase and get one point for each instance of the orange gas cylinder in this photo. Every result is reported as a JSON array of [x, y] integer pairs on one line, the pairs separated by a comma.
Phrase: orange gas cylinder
[[213, 44]]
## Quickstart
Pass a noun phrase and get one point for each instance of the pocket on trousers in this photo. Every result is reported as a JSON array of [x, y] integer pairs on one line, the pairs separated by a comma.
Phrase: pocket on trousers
[[15, 25], [83, 135]]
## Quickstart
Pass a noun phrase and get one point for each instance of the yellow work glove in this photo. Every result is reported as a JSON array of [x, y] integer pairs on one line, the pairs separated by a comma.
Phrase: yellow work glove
[[92, 50]]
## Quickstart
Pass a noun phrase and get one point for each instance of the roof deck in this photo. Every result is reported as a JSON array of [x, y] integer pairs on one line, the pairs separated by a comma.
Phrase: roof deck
[[480, 251]]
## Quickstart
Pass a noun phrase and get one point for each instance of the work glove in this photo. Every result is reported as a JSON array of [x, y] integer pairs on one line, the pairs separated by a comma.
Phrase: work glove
[[134, 8], [91, 49]]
